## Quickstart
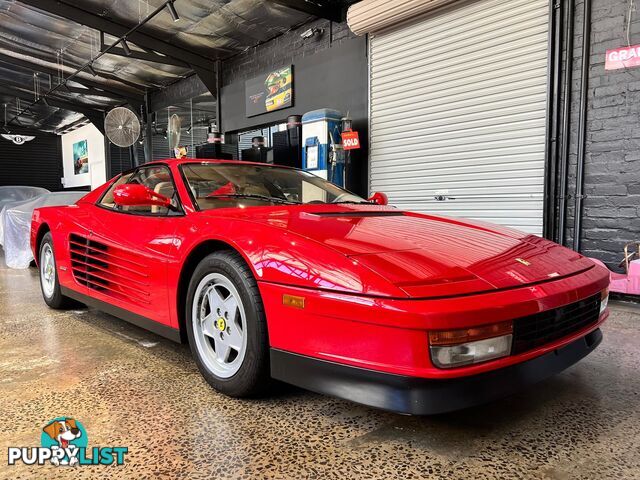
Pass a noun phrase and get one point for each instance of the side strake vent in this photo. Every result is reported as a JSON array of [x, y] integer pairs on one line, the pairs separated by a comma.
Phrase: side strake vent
[[108, 270]]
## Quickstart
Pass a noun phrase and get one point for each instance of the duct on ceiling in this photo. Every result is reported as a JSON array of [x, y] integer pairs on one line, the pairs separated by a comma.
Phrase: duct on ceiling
[[370, 16]]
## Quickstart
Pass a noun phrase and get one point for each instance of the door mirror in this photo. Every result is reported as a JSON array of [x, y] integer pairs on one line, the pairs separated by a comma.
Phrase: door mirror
[[136, 195], [379, 198]]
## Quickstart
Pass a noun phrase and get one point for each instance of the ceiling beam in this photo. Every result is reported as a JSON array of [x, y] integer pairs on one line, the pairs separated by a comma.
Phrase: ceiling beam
[[103, 24], [72, 126], [90, 91], [146, 55], [21, 51], [315, 8], [178, 92], [36, 67], [95, 116], [149, 57], [53, 102], [44, 119], [81, 91]]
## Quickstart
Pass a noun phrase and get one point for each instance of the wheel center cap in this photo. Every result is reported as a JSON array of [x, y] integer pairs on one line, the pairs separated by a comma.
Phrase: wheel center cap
[[221, 324]]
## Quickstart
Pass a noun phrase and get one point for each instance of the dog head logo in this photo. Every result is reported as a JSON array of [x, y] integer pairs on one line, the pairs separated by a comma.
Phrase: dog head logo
[[68, 435], [63, 431]]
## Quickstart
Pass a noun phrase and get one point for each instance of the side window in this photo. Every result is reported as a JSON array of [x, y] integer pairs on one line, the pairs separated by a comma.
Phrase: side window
[[107, 199], [156, 178]]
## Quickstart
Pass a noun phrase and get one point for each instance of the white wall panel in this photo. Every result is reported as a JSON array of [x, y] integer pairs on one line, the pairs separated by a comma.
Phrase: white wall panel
[[97, 174]]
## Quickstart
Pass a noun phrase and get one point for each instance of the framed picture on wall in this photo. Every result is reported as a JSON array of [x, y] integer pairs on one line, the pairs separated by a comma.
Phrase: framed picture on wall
[[80, 157], [269, 92]]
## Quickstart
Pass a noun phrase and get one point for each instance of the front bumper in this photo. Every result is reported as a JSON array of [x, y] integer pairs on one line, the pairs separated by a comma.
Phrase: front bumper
[[422, 396], [391, 335]]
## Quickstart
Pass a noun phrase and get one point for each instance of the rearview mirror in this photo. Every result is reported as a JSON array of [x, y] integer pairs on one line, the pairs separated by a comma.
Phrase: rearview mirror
[[136, 195], [379, 198]]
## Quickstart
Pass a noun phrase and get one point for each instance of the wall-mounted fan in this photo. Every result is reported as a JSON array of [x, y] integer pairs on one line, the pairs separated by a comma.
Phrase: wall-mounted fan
[[122, 127]]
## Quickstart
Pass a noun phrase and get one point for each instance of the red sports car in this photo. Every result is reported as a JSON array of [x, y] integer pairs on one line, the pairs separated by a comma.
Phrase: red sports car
[[272, 272]]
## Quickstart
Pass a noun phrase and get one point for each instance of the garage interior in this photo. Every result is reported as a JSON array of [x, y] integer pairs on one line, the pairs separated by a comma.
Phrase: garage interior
[[502, 112]]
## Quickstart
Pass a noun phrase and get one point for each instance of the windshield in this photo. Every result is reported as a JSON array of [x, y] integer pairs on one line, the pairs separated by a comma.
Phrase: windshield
[[222, 185]]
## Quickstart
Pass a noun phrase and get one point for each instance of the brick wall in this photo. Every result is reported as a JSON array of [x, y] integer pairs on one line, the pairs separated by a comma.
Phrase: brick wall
[[329, 71], [283, 50], [612, 155]]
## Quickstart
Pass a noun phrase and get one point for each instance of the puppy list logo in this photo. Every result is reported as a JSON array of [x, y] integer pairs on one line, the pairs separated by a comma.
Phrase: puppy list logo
[[64, 441]]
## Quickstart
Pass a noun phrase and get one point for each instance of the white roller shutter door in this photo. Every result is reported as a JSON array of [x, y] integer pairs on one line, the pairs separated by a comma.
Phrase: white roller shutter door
[[458, 112]]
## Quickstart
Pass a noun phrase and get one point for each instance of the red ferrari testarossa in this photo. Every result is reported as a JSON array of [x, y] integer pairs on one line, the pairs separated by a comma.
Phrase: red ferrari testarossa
[[272, 272]]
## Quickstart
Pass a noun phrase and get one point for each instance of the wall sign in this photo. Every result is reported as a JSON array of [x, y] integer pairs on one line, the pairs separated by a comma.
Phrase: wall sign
[[623, 57], [350, 140], [18, 139], [269, 92]]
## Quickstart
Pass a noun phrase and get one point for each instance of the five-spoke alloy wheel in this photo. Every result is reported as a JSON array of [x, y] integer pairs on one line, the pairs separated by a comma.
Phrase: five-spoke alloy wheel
[[49, 275], [219, 325], [47, 270], [226, 325]]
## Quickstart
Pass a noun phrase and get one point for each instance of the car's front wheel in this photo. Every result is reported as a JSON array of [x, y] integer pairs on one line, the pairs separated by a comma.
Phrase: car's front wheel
[[226, 325]]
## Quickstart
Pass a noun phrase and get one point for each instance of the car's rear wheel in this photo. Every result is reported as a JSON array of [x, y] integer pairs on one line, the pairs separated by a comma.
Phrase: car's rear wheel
[[49, 283], [226, 325]]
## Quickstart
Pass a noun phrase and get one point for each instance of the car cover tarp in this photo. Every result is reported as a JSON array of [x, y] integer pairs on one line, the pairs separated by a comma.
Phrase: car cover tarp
[[14, 195], [16, 225]]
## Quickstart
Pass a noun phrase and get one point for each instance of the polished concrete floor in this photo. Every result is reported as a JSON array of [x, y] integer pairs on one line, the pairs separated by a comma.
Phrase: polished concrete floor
[[131, 388]]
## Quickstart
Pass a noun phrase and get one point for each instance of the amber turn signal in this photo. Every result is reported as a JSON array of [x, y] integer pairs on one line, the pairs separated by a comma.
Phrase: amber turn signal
[[465, 335], [293, 301]]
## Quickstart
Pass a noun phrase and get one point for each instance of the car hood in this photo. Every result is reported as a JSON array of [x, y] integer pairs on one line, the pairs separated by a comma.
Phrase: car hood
[[428, 255]]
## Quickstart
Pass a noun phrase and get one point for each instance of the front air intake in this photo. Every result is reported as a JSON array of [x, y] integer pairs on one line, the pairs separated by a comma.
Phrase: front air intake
[[551, 325]]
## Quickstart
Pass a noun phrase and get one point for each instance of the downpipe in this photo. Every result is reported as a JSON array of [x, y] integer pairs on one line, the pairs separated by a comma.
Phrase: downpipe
[[553, 114], [566, 127], [582, 126]]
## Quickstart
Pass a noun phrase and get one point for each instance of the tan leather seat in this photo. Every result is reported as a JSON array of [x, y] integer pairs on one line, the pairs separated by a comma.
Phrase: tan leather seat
[[163, 188], [255, 190]]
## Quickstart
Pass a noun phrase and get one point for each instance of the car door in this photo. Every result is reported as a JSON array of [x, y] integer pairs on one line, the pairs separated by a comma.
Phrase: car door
[[132, 247]]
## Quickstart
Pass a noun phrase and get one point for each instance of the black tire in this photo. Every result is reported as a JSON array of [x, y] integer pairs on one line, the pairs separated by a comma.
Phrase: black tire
[[57, 300], [253, 376]]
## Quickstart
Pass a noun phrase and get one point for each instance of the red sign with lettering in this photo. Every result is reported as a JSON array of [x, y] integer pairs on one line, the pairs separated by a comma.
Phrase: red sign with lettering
[[350, 140], [623, 57]]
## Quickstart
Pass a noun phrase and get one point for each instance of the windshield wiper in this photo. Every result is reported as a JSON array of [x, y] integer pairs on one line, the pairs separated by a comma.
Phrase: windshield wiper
[[364, 202], [256, 196]]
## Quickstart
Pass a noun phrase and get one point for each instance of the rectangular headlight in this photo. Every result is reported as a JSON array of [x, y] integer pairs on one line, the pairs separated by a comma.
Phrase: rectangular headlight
[[604, 300], [455, 348]]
